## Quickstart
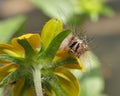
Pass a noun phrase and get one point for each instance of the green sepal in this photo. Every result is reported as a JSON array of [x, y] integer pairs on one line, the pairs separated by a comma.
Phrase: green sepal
[[7, 57], [10, 78], [54, 45], [57, 64], [56, 86], [28, 48]]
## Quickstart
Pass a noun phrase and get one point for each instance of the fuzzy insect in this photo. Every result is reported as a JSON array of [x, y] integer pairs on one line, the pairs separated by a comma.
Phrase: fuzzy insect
[[75, 45]]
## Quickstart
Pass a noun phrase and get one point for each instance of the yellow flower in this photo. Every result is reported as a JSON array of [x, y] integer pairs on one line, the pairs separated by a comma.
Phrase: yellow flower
[[30, 60]]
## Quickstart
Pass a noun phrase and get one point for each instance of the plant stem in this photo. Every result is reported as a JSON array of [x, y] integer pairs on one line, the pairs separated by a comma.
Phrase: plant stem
[[37, 81]]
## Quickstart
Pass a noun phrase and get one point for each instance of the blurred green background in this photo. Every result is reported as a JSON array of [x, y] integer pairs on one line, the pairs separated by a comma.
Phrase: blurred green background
[[99, 22]]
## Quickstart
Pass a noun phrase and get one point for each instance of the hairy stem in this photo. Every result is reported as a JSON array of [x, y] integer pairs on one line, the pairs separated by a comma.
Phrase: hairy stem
[[37, 81]]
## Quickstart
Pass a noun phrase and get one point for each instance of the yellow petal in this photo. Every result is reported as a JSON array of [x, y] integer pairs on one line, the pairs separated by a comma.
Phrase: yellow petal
[[6, 69], [3, 76], [30, 92], [80, 64], [18, 87], [72, 66], [4, 62], [69, 83], [6, 46], [33, 39], [9, 49], [48, 93], [52, 28], [61, 55]]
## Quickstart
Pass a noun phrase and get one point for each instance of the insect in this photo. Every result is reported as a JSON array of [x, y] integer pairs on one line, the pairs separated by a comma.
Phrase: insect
[[75, 45]]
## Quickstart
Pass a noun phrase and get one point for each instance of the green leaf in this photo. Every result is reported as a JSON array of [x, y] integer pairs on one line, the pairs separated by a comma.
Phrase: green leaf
[[8, 28], [54, 45], [65, 10], [61, 9]]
